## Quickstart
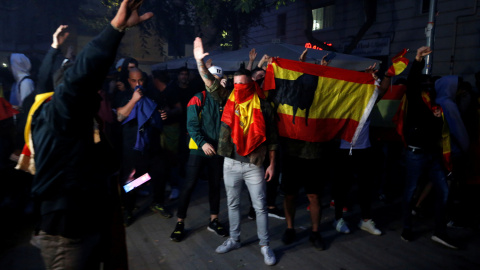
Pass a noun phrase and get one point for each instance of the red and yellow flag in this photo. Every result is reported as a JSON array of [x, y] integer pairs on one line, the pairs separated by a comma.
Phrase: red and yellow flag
[[243, 114], [399, 63], [317, 103]]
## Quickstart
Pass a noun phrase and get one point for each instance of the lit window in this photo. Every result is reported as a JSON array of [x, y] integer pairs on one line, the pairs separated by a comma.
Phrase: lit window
[[323, 17]]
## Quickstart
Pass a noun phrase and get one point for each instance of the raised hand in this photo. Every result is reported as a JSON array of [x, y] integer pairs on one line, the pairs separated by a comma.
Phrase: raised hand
[[371, 69], [198, 52], [59, 36], [324, 62], [252, 55], [422, 52], [127, 15], [303, 56]]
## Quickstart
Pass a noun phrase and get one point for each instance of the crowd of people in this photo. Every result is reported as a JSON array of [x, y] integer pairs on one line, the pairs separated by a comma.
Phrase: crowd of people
[[87, 126]]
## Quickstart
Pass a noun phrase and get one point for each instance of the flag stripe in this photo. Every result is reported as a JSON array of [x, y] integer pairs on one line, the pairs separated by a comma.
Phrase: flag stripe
[[289, 69], [330, 93], [395, 92], [317, 130]]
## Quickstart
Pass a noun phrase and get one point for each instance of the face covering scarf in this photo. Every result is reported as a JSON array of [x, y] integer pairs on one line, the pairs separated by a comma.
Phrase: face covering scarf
[[243, 114]]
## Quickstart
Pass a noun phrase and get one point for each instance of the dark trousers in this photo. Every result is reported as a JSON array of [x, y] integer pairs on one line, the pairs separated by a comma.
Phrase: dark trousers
[[358, 164], [194, 165], [154, 165], [418, 163]]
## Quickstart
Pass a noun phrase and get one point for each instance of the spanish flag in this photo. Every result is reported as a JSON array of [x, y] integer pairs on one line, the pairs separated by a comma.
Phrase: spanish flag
[[399, 63], [382, 127], [243, 114], [317, 103]]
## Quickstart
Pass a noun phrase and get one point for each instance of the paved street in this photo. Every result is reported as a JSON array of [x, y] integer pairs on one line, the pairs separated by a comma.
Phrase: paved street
[[149, 246]]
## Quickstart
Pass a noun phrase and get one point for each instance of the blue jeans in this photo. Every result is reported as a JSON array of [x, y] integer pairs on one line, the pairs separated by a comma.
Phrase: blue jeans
[[417, 164], [235, 173]]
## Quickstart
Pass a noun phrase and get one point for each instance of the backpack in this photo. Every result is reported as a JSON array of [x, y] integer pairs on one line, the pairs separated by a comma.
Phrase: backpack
[[191, 143]]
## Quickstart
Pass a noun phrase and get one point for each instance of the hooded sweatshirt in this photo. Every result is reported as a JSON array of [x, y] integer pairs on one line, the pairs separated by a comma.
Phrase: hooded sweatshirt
[[21, 66], [446, 88]]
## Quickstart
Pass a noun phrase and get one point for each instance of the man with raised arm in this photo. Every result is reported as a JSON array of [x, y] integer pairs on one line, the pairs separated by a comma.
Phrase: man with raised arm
[[247, 133], [70, 187]]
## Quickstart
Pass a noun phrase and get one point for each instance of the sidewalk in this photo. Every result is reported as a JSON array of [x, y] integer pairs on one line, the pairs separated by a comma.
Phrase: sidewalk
[[149, 245]]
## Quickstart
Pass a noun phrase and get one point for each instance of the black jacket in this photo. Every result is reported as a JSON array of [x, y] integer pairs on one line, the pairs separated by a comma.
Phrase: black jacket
[[69, 173]]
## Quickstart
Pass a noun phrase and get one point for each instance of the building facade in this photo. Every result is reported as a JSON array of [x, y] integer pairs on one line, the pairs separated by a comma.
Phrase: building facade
[[383, 28]]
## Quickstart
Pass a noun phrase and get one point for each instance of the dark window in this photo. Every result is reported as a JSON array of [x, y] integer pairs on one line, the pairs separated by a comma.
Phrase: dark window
[[425, 8], [281, 24]]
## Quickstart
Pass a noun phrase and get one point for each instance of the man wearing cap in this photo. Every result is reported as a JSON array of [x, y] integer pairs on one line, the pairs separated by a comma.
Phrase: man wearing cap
[[203, 126], [247, 133]]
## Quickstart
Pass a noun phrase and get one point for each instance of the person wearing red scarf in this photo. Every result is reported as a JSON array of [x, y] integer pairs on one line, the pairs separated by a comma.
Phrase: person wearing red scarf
[[247, 132]]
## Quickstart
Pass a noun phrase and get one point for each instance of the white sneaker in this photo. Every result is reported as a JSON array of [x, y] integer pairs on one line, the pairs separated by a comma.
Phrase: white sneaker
[[369, 226], [174, 194], [228, 245], [341, 226], [268, 255]]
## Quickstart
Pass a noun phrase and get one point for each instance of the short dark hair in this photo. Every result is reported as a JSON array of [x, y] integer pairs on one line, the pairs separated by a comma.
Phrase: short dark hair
[[243, 71], [136, 70], [161, 75], [257, 69], [182, 69]]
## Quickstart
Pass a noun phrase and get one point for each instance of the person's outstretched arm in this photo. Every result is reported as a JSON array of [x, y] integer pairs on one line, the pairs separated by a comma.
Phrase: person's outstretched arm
[[44, 81], [77, 94]]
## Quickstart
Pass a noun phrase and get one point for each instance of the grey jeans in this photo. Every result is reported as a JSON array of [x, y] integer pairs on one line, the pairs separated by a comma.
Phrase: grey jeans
[[235, 173]]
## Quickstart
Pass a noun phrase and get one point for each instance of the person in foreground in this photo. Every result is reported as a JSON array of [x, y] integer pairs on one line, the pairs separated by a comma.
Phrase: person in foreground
[[71, 187], [247, 134]]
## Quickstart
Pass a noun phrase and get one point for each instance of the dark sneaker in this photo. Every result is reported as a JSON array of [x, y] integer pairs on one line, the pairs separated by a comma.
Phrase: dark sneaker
[[407, 235], [443, 239], [317, 241], [178, 234], [288, 236], [217, 227], [251, 214], [276, 213], [127, 218], [455, 225], [157, 208]]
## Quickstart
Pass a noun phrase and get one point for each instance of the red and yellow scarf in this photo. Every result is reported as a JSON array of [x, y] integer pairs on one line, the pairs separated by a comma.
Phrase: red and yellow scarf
[[243, 114]]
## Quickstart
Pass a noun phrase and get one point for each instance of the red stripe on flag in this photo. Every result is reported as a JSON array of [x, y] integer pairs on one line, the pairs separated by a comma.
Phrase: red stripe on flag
[[395, 92], [318, 130], [269, 81], [325, 71]]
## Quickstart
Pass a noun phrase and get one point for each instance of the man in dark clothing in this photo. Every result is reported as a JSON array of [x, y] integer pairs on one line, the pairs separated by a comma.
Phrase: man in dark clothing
[[136, 161], [423, 135], [70, 184], [203, 126]]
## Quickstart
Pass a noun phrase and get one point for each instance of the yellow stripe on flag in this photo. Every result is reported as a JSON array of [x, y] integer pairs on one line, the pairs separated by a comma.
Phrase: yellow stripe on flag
[[330, 93]]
